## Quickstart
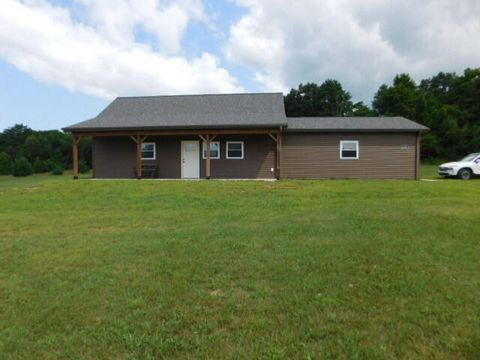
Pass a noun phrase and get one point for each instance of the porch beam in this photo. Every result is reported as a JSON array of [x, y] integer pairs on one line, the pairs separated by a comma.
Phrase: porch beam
[[177, 132], [274, 137]]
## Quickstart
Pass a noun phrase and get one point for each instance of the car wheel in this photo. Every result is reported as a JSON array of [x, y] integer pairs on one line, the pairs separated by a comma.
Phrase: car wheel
[[465, 174]]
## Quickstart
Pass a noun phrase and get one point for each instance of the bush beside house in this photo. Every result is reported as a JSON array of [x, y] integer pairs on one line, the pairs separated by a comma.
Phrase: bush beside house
[[22, 167], [5, 164]]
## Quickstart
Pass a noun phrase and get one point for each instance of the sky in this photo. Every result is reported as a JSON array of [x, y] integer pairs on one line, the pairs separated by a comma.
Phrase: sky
[[63, 61]]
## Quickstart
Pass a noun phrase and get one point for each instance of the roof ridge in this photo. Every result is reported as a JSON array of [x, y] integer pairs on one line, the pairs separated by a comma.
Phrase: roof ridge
[[185, 95]]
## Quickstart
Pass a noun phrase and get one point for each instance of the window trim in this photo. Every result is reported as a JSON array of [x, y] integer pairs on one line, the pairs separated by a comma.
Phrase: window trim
[[154, 150], [235, 142], [357, 145], [204, 153]]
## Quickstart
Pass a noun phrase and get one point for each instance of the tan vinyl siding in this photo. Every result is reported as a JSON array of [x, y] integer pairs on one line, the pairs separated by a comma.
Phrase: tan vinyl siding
[[317, 156]]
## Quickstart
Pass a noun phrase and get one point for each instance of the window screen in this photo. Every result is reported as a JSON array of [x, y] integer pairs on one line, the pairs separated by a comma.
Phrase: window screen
[[148, 151], [234, 149], [348, 149], [214, 150]]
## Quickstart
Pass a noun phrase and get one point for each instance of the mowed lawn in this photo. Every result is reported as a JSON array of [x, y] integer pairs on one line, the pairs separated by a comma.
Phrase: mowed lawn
[[239, 269]]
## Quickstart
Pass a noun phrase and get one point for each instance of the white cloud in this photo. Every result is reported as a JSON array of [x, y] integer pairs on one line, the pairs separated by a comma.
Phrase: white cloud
[[361, 43], [94, 47], [117, 20], [101, 57]]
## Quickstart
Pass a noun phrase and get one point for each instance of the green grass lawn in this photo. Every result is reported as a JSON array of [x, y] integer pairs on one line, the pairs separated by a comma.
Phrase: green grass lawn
[[215, 269]]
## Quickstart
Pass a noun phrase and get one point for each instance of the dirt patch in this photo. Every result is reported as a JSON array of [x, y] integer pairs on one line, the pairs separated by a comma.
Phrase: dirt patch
[[217, 293]]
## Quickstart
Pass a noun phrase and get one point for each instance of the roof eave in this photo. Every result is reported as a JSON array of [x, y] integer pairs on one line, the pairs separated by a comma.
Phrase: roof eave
[[160, 128], [356, 130]]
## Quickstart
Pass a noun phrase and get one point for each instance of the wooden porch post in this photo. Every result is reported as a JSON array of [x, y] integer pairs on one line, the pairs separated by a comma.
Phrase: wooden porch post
[[139, 157], [138, 166], [207, 167], [76, 140]]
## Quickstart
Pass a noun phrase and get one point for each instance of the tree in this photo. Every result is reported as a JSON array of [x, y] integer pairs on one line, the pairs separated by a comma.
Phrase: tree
[[5, 163], [12, 139], [400, 99], [446, 102], [360, 109], [22, 167], [335, 101], [58, 170], [52, 145], [41, 166], [328, 99], [83, 167]]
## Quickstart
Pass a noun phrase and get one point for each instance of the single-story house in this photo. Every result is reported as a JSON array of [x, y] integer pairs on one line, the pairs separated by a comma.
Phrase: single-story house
[[248, 136]]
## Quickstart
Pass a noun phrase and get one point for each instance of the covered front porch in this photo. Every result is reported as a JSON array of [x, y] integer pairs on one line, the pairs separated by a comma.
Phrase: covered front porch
[[176, 154]]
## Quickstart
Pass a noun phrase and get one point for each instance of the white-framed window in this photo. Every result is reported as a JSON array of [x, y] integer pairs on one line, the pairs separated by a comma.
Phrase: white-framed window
[[214, 150], [234, 150], [148, 151], [349, 149]]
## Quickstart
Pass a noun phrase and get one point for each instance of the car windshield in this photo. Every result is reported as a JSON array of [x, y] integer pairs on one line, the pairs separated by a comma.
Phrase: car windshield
[[469, 157]]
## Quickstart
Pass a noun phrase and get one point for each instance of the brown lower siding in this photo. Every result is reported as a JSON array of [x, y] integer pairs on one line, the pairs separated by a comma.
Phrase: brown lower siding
[[114, 157], [258, 161], [317, 156], [304, 156]]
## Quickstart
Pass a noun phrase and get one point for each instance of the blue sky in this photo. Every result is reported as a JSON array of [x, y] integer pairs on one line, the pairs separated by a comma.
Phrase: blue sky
[[24, 100], [63, 61]]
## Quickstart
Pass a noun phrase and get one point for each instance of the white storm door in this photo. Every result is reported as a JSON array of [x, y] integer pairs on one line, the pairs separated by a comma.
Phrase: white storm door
[[190, 160]]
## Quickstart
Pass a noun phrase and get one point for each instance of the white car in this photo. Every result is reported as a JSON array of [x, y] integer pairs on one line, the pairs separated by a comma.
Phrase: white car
[[464, 169]]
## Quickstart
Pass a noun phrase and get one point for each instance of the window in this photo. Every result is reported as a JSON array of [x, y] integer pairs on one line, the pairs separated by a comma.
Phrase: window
[[234, 149], [468, 158], [214, 150], [349, 149], [189, 147], [148, 151]]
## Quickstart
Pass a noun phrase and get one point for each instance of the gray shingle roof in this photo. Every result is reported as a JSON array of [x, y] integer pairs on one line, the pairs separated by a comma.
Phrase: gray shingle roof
[[309, 124], [189, 111], [226, 111]]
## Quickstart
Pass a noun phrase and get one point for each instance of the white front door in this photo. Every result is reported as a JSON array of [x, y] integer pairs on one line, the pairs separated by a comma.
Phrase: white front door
[[190, 160]]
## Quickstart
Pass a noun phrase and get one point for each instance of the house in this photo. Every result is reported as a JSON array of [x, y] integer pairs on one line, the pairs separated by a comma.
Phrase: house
[[248, 136]]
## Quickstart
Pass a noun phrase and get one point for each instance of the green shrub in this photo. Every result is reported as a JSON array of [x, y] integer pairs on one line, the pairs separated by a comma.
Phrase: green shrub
[[22, 167], [41, 166], [5, 164], [58, 170], [51, 164], [83, 167]]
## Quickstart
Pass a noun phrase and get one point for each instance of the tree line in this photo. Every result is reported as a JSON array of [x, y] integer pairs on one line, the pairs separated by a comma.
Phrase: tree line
[[24, 151], [449, 104]]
